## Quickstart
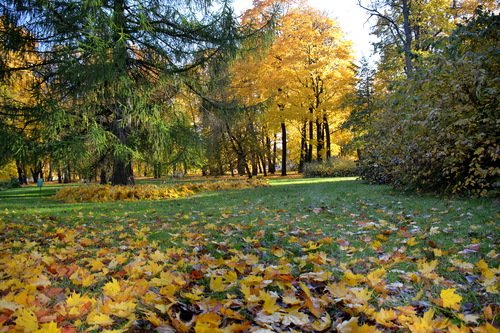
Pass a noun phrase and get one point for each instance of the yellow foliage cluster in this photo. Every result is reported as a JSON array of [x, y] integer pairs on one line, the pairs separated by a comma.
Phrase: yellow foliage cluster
[[106, 193]]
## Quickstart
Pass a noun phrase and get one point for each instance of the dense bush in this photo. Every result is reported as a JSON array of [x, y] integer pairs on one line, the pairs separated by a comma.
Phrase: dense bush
[[331, 168], [439, 131], [105, 193], [12, 183]]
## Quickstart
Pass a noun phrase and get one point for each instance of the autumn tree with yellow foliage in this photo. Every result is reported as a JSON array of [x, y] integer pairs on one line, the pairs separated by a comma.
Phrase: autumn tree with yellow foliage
[[303, 76]]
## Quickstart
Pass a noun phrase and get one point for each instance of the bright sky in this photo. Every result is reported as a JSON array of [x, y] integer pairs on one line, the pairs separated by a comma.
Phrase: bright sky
[[351, 18]]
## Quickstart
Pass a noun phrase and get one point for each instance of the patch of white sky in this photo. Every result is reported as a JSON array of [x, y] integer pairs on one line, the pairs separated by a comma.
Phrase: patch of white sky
[[352, 19]]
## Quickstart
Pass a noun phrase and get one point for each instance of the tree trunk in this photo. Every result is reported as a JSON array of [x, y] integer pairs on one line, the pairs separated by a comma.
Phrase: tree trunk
[[59, 176], [21, 173], [408, 39], [328, 138], [303, 147], [67, 175], [122, 173], [271, 165], [255, 170], [157, 170], [122, 166], [220, 166], [50, 177], [34, 174], [103, 180], [311, 137], [249, 172], [37, 171], [319, 139], [242, 165], [283, 153], [263, 163], [275, 143]]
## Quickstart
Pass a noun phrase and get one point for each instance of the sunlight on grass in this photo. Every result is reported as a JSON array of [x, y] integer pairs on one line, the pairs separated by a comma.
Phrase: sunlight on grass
[[302, 181]]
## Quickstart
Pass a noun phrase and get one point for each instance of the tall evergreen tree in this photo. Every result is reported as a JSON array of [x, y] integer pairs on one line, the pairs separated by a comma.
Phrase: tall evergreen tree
[[101, 62]]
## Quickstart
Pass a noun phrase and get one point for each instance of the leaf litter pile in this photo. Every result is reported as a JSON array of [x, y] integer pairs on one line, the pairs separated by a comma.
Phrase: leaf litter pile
[[249, 269]]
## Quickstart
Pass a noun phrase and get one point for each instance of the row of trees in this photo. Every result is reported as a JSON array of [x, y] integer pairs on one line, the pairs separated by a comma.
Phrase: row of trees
[[427, 118], [107, 88], [102, 88]]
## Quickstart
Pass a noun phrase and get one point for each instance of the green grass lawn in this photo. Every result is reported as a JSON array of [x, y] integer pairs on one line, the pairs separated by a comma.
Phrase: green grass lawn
[[320, 252]]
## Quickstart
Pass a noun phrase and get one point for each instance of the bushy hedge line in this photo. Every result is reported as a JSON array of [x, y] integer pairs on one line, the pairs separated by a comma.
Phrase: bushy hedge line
[[331, 168]]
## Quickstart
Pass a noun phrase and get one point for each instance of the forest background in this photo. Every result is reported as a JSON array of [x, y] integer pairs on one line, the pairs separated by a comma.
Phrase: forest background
[[105, 91]]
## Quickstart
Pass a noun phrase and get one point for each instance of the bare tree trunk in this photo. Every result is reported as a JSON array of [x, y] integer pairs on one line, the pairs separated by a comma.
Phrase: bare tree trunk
[[328, 139], [319, 139], [275, 149], [263, 163], [242, 165], [269, 153], [283, 153], [21, 173], [103, 178], [255, 170], [311, 138], [408, 39], [303, 147]]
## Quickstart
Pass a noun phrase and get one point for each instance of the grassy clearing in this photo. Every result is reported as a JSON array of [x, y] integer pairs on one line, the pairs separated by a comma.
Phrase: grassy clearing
[[303, 255]]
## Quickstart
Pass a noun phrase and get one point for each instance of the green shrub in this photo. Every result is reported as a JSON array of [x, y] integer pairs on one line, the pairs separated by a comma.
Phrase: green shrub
[[438, 130], [331, 168], [12, 183]]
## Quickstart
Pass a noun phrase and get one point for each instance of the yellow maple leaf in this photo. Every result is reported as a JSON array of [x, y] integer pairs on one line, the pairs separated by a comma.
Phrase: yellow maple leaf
[[112, 288], [376, 276], [291, 300], [412, 242], [376, 245], [385, 317], [26, 320], [48, 328], [426, 269], [450, 298], [120, 309], [231, 276], [195, 294], [456, 329], [352, 279], [24, 297], [217, 284], [362, 295], [269, 305], [486, 272], [78, 304], [278, 251], [422, 325], [153, 318], [207, 323], [97, 318]]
